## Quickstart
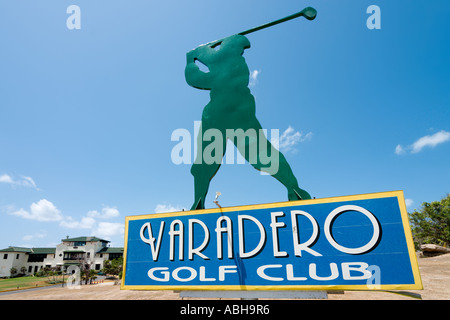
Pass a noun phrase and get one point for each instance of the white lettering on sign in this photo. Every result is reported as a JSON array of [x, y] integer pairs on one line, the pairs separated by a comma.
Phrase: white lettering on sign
[[163, 272], [275, 225], [197, 250], [186, 274], [277, 271], [261, 272], [262, 234], [369, 246], [192, 274], [360, 267], [298, 247], [224, 227], [229, 231], [333, 269], [151, 240], [180, 234], [270, 272]]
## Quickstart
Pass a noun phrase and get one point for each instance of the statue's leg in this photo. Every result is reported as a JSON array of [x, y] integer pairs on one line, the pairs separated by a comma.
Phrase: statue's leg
[[269, 160], [203, 173], [203, 170], [287, 178]]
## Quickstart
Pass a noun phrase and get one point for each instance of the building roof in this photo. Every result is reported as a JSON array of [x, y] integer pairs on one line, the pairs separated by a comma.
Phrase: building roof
[[16, 249], [110, 250], [30, 250], [43, 250], [87, 239], [53, 250]]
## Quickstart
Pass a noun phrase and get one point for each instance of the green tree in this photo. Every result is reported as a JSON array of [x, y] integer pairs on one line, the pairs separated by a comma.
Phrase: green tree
[[87, 274], [113, 267], [23, 270], [91, 275], [431, 224], [13, 272]]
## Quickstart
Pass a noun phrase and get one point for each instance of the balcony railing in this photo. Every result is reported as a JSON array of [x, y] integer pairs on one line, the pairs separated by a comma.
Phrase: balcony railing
[[74, 257]]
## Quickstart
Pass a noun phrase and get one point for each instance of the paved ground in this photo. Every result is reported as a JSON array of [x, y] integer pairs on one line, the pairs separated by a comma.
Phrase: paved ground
[[435, 273]]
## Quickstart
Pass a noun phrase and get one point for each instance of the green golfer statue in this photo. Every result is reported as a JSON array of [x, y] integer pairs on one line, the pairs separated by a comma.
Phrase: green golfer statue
[[232, 109]]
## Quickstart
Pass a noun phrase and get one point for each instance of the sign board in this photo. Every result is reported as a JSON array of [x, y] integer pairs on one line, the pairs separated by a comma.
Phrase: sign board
[[360, 242]]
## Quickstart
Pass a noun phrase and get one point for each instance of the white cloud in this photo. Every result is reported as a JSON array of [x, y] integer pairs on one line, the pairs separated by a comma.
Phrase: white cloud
[[399, 150], [37, 235], [430, 141], [27, 238], [28, 182], [23, 181], [43, 210], [163, 208], [109, 229], [6, 179], [69, 222], [84, 223], [290, 138], [107, 213], [254, 77], [409, 202], [90, 220]]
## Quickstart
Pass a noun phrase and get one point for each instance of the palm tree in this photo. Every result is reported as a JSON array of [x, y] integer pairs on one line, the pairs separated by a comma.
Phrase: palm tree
[[13, 271]]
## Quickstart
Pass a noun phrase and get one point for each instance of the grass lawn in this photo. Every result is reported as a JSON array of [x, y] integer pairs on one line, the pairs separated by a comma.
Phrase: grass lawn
[[25, 283]]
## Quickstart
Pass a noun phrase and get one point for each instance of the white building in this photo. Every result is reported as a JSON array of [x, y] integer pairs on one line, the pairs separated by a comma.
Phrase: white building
[[71, 251]]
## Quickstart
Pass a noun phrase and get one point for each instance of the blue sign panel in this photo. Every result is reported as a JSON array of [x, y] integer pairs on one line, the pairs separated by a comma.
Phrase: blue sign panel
[[355, 242]]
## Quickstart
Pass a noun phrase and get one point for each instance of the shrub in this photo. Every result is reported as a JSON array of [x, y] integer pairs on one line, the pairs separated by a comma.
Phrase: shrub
[[431, 224]]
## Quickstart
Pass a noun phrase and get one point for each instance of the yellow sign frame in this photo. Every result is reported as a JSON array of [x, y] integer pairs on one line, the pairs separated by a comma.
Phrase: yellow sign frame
[[406, 227]]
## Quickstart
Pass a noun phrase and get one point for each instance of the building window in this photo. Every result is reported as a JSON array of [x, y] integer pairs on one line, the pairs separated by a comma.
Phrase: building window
[[73, 256], [79, 243], [17, 256], [36, 257], [113, 256], [5, 256]]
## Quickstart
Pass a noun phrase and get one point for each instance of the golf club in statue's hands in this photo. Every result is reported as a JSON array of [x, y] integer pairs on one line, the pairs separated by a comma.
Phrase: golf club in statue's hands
[[232, 109], [309, 13]]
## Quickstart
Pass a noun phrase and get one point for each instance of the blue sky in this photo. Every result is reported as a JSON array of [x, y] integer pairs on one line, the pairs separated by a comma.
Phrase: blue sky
[[87, 115]]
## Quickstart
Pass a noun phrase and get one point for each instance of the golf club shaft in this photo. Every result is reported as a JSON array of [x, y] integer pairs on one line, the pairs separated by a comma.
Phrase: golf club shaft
[[309, 13]]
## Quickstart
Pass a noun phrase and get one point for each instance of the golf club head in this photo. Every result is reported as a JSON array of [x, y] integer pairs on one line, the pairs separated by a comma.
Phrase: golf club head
[[309, 13]]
